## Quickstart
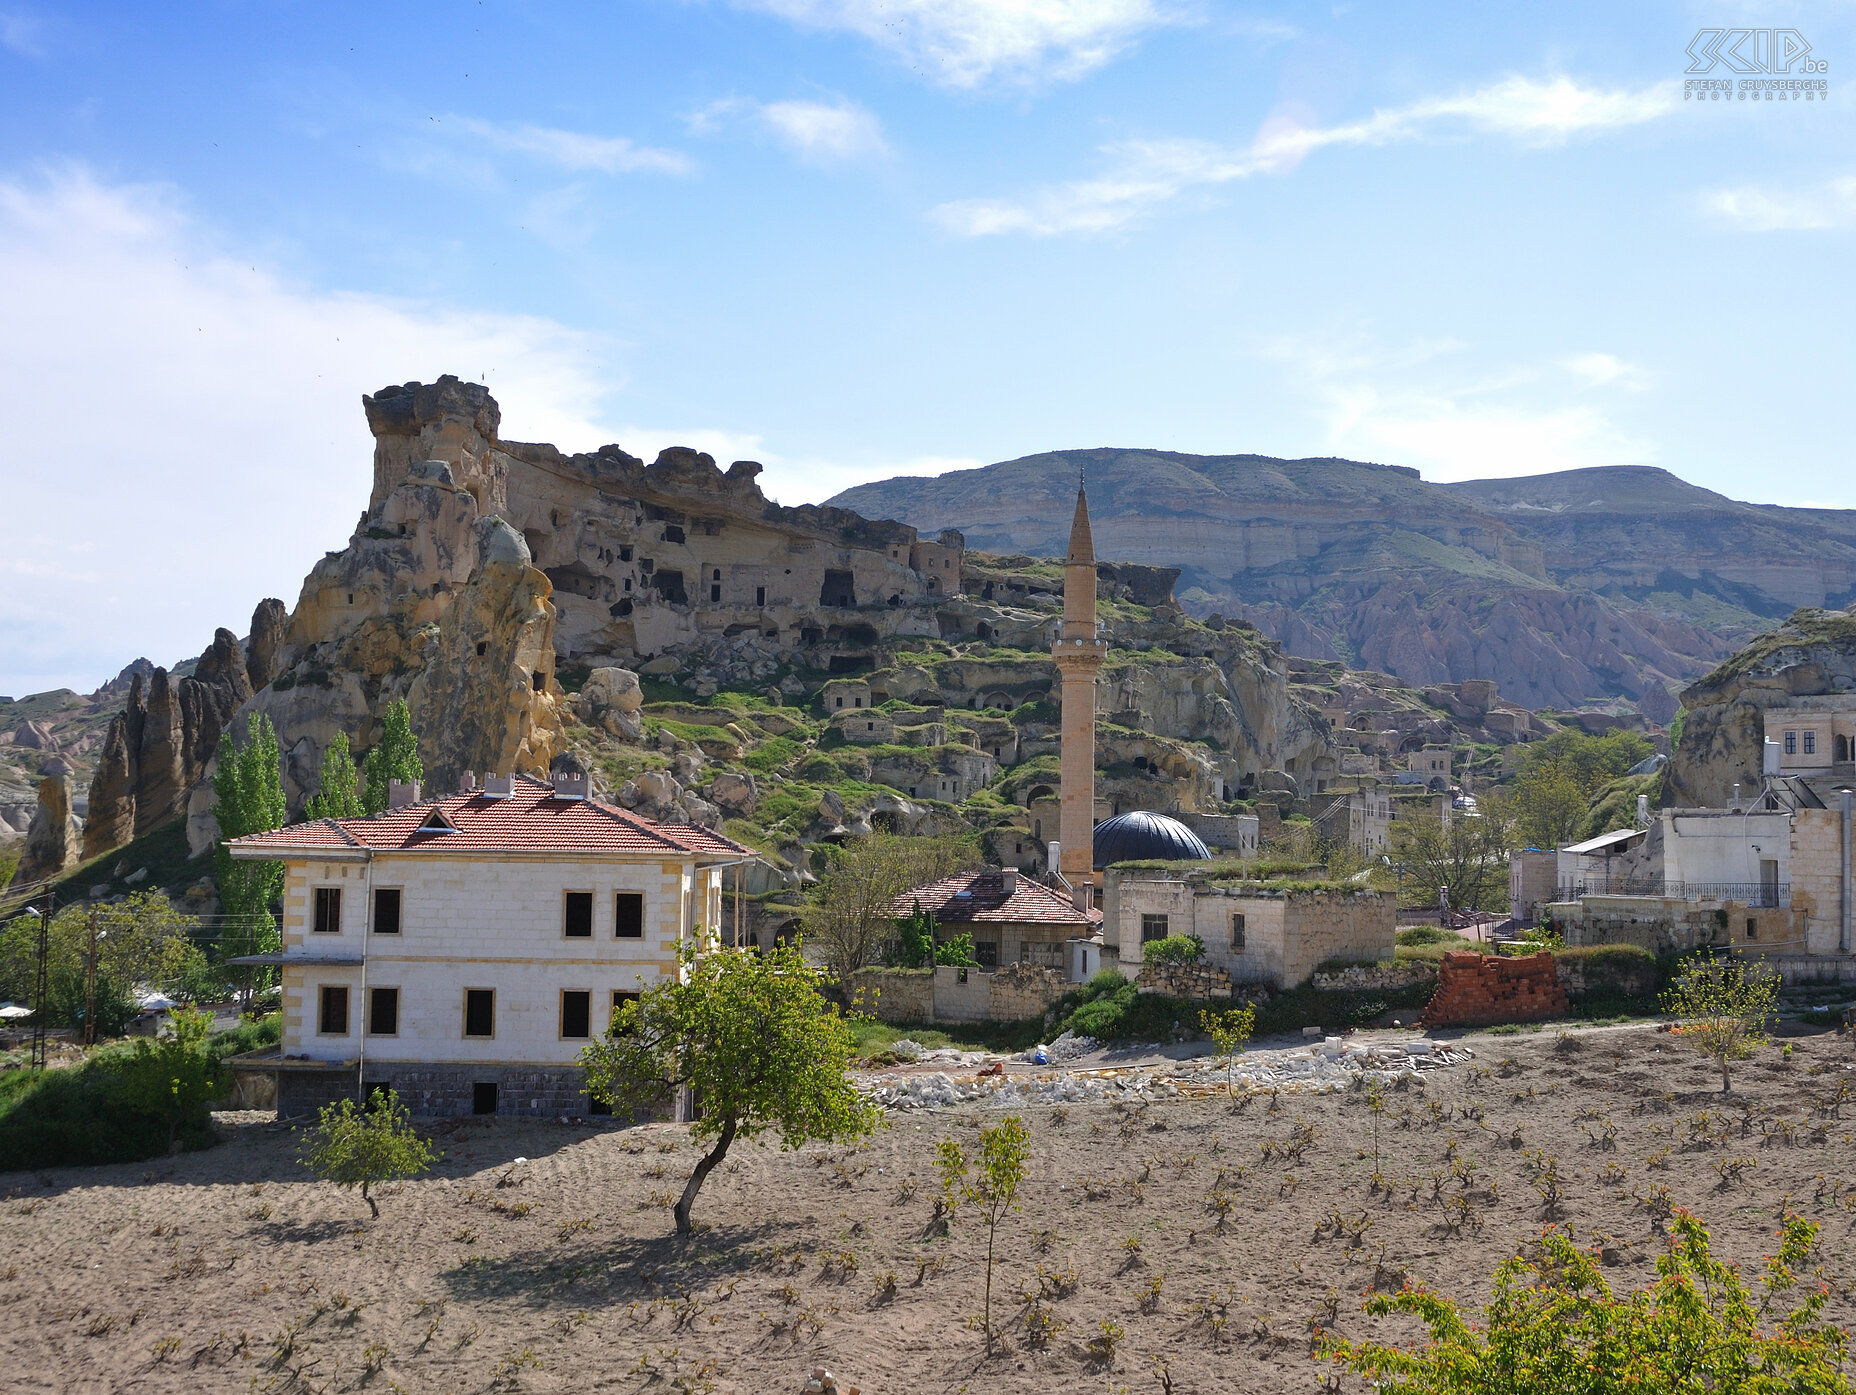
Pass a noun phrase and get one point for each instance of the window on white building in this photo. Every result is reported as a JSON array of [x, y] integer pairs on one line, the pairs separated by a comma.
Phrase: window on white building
[[479, 1012], [577, 915], [332, 1014], [628, 915], [328, 910], [1237, 930], [1791, 743], [1810, 743], [386, 910], [1153, 927], [576, 1014], [383, 1012]]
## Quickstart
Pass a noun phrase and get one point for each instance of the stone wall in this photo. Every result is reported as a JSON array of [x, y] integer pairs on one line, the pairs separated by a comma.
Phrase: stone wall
[[1477, 990], [1199, 982], [1363, 978], [1664, 925], [1023, 991], [895, 995]]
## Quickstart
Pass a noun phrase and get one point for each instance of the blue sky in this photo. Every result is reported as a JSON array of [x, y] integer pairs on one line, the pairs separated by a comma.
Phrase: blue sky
[[853, 238]]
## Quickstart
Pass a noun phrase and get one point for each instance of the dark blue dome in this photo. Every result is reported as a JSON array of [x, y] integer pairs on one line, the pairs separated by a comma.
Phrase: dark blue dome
[[1140, 836]]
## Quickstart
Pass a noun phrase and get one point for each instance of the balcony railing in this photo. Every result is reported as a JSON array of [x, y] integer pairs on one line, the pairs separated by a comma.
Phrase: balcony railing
[[1756, 895]]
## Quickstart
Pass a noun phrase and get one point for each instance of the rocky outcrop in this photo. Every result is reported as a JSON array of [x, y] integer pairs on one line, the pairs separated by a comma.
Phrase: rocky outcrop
[[269, 630], [52, 842], [487, 700], [1727, 714], [163, 743]]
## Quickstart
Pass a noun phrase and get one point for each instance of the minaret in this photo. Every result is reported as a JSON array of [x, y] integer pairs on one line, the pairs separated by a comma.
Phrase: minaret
[[1078, 654]]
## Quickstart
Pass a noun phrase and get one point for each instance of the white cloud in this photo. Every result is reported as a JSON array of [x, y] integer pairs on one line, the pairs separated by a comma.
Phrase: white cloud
[[1831, 204], [184, 428], [820, 131], [1604, 370], [573, 150], [967, 43], [1414, 406], [23, 32], [1142, 175]]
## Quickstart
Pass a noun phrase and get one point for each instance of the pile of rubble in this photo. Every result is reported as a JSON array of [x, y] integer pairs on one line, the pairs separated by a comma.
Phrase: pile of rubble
[[1333, 1065]]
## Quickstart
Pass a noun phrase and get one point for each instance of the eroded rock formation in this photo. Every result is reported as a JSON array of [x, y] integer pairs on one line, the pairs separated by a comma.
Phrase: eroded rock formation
[[52, 842]]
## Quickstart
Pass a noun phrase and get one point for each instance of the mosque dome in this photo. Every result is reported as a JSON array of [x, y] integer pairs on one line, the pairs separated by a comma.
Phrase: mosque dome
[[1140, 836]]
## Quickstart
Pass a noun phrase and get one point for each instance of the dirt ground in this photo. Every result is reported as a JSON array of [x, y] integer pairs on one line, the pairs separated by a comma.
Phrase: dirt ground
[[539, 1256]]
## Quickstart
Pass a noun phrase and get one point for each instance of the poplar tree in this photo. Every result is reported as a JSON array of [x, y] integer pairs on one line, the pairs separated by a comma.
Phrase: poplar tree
[[248, 786], [394, 757], [338, 795]]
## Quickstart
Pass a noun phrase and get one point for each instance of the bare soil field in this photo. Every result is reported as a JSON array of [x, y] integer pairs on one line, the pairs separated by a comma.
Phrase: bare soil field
[[539, 1255]]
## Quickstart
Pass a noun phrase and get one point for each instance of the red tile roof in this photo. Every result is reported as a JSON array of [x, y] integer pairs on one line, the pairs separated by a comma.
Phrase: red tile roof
[[530, 819], [983, 898]]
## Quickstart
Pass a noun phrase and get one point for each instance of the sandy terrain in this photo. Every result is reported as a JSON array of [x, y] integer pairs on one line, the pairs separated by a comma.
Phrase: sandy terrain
[[234, 1269]]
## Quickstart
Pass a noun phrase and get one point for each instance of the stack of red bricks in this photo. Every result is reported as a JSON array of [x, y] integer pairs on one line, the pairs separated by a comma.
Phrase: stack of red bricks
[[1479, 990]]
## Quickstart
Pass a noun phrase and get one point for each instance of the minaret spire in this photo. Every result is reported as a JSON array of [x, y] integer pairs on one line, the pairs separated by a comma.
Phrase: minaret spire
[[1078, 654]]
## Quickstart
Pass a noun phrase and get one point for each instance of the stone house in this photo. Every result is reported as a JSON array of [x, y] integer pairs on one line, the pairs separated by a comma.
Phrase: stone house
[[1432, 762], [1257, 932], [865, 725], [463, 950], [1361, 817], [1012, 918]]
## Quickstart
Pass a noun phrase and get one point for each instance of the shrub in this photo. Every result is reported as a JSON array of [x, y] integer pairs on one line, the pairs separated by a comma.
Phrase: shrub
[[1174, 949], [1554, 1324]]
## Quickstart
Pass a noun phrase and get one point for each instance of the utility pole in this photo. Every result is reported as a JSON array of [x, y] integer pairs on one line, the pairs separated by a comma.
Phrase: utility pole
[[41, 983], [90, 984]]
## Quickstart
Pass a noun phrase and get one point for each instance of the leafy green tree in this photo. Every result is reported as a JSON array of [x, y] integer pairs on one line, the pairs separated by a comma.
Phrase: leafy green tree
[[1722, 1007], [1549, 808], [956, 951], [1559, 778], [175, 1076], [753, 1037], [394, 757], [915, 939], [1554, 1325], [248, 786], [142, 940], [337, 794], [992, 1185], [1470, 857], [365, 1147], [851, 918], [1229, 1031]]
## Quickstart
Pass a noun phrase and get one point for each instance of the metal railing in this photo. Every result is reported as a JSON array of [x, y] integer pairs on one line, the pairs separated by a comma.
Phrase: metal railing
[[1756, 895]]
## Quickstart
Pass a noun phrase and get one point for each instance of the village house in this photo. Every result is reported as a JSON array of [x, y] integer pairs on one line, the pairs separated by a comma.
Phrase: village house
[[1012, 918], [463, 950], [1274, 934]]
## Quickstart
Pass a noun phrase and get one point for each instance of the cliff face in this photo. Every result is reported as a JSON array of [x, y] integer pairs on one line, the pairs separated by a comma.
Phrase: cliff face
[[1812, 656], [1563, 589]]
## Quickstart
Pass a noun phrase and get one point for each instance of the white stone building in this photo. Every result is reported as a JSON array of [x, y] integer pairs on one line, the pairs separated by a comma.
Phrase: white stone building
[[463, 950]]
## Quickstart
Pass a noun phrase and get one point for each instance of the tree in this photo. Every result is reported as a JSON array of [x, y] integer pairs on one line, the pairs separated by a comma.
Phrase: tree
[[337, 794], [1470, 857], [394, 757], [851, 919], [1173, 949], [1559, 777], [365, 1147], [956, 951], [141, 941], [1229, 1030], [915, 939], [174, 1077], [753, 1037], [1722, 1007], [1555, 1325], [248, 786], [992, 1185]]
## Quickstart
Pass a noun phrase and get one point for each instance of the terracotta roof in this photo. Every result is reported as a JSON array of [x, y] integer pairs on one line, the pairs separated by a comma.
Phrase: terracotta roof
[[530, 819], [983, 898]]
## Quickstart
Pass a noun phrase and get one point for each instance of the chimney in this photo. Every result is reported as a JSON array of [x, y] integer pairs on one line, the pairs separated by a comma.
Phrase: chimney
[[1643, 811], [498, 786], [467, 782], [1009, 877], [400, 794], [571, 784]]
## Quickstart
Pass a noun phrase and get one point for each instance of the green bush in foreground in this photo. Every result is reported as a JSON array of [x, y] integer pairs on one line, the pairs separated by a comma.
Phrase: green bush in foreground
[[1555, 1325], [1173, 949], [365, 1147]]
